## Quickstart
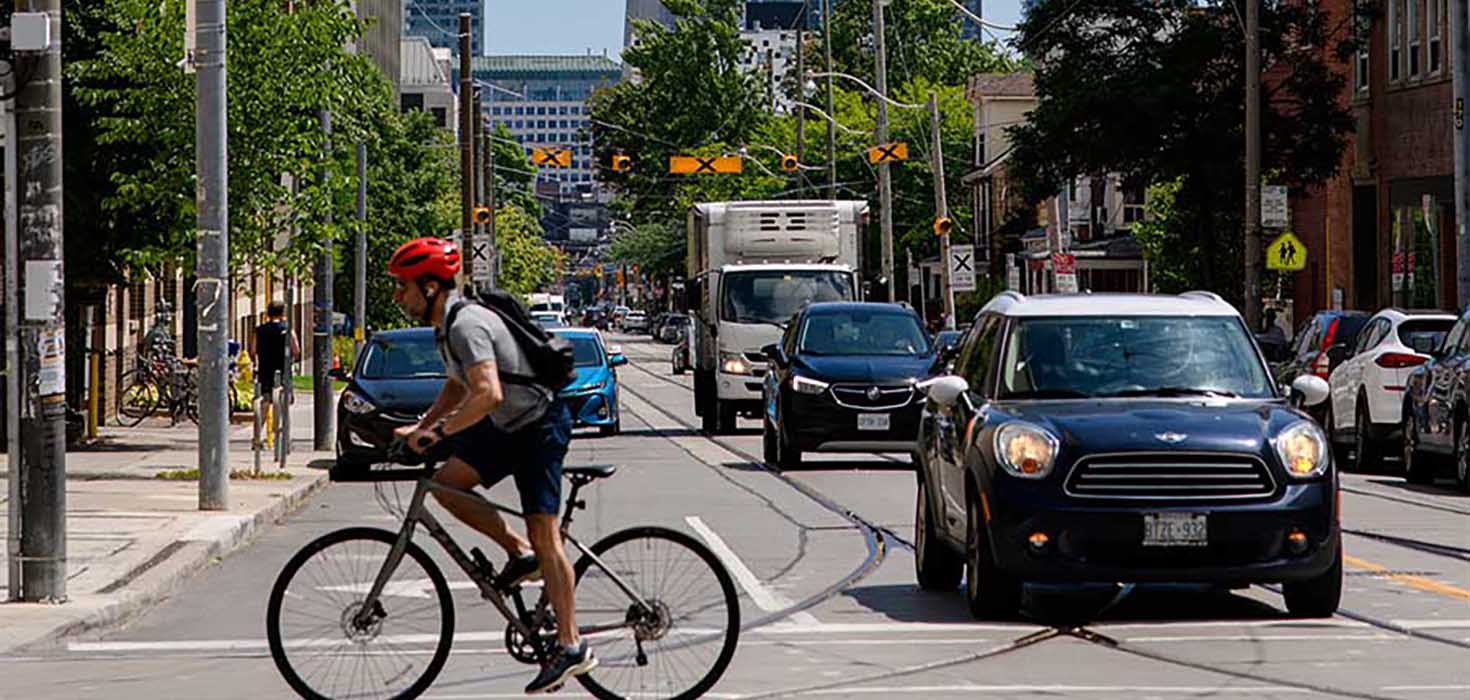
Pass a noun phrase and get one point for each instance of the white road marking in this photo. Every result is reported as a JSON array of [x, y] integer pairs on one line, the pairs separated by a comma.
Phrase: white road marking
[[764, 598], [1013, 689], [1268, 638], [824, 628]]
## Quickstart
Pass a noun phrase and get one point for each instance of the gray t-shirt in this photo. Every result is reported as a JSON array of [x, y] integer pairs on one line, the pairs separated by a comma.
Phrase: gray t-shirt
[[478, 334]]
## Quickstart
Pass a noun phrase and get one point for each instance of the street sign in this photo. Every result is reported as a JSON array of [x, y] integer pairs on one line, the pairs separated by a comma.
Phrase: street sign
[[703, 165], [1286, 254], [552, 157], [1064, 268], [1274, 209], [888, 153], [1013, 273], [962, 269], [481, 265]]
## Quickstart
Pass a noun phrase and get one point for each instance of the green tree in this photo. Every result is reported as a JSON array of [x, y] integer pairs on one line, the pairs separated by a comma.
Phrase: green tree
[[1154, 91], [923, 41], [527, 262], [658, 249], [283, 68]]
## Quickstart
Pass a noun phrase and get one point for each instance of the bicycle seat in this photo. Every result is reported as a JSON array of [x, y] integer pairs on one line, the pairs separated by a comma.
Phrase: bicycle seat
[[590, 471]]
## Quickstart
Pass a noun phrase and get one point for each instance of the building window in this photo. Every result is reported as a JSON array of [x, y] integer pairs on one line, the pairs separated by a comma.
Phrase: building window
[[1436, 15], [441, 116], [1363, 34], [1414, 33], [1395, 37], [411, 100]]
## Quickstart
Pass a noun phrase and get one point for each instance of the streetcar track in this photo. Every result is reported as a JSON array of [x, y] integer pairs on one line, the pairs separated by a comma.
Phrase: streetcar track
[[1434, 548], [1406, 501], [1084, 633]]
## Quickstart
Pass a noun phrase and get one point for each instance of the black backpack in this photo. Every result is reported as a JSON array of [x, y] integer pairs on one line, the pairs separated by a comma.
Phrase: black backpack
[[553, 359]]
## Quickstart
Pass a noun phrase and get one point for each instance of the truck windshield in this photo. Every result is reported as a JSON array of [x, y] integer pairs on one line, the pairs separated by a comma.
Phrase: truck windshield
[[773, 296]]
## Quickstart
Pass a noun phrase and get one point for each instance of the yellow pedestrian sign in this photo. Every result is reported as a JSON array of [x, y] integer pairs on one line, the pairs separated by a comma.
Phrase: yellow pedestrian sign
[[1286, 254]]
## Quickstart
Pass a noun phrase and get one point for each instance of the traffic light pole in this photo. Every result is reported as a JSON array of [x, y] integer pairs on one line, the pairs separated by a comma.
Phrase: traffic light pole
[[212, 266], [490, 203], [1253, 163], [885, 178], [466, 132], [831, 125], [323, 413], [941, 211]]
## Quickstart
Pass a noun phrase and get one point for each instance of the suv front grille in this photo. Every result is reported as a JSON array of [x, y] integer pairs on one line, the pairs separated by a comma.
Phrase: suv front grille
[[1170, 476], [888, 398]]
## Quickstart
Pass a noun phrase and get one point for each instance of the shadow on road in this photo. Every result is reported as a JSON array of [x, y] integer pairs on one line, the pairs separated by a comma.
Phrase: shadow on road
[[1442, 487], [847, 465]]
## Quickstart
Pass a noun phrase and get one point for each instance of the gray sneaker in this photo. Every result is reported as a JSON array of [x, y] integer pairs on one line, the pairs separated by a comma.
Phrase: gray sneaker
[[566, 662]]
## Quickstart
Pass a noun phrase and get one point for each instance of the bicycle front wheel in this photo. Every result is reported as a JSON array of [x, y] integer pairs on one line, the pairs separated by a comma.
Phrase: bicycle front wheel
[[137, 398], [679, 640], [322, 646]]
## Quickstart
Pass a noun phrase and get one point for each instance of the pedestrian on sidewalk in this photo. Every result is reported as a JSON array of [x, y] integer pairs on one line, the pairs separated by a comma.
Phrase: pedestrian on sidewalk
[[269, 351], [498, 426]]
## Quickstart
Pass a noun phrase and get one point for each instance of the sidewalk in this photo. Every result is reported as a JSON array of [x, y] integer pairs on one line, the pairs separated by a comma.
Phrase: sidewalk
[[132, 538]]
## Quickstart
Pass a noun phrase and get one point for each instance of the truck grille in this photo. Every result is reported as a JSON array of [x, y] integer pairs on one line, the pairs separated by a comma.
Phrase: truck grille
[[857, 397], [1170, 476]]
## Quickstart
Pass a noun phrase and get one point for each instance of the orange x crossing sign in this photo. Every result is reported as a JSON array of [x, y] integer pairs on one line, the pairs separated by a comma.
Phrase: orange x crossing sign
[[888, 153], [552, 157], [698, 165]]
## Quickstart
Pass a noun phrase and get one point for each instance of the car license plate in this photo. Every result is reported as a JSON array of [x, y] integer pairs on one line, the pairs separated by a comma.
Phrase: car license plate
[[872, 421], [1174, 530]]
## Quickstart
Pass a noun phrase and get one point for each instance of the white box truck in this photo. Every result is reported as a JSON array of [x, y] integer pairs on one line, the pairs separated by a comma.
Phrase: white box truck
[[751, 267]]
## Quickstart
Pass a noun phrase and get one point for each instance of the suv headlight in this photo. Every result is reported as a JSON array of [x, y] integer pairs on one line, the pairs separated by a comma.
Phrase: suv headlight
[[806, 385], [1302, 449], [356, 404], [734, 363], [1026, 451]]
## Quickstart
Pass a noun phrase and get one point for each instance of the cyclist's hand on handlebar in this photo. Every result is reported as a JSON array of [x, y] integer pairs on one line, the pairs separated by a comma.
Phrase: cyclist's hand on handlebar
[[420, 440], [402, 433]]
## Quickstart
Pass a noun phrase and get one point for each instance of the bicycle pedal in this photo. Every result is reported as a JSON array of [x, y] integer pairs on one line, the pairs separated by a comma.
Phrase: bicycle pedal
[[556, 688]]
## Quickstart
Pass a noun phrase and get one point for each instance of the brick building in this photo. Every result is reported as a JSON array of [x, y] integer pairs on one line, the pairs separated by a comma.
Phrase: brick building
[[1380, 233]]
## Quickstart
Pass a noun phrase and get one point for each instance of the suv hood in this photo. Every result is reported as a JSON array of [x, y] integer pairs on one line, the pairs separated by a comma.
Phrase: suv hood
[[1133, 425], [409, 396], [864, 369]]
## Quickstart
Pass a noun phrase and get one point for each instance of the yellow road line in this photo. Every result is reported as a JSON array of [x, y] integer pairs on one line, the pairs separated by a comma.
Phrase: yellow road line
[[1411, 581]]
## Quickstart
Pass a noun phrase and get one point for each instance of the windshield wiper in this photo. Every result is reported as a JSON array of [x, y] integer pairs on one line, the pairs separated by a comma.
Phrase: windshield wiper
[[1176, 391], [1046, 394]]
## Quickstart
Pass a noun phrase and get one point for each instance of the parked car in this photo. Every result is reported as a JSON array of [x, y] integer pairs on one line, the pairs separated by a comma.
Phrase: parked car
[[674, 328], [636, 322], [394, 381], [1366, 406], [679, 356], [595, 318], [548, 320], [1319, 346], [593, 397], [842, 380], [1121, 438], [1437, 411]]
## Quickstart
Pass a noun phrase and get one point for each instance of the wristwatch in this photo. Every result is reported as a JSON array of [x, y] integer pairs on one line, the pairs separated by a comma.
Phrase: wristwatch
[[438, 431]]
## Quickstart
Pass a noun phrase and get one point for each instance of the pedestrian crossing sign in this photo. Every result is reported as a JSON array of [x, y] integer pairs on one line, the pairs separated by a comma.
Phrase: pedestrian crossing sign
[[1286, 254]]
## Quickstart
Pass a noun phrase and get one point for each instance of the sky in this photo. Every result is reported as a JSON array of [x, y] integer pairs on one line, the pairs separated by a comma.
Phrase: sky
[[575, 26]]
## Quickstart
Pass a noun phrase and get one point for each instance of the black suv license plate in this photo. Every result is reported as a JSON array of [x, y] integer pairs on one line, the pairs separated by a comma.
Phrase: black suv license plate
[[1175, 530]]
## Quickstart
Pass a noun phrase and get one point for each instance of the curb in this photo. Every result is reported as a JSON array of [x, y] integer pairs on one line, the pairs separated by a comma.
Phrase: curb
[[173, 566]]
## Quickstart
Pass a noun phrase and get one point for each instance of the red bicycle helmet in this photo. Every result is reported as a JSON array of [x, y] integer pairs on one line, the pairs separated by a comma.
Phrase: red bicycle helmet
[[425, 257]]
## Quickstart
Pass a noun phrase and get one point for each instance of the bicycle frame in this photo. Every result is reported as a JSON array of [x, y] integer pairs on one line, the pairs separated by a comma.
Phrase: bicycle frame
[[418, 515]]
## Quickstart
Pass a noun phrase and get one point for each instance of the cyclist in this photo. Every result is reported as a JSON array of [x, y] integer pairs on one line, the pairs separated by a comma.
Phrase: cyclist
[[269, 351], [497, 429]]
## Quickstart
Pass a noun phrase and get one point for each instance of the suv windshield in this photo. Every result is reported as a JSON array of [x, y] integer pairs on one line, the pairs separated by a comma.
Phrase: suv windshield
[[775, 296], [403, 357], [1142, 356], [862, 333]]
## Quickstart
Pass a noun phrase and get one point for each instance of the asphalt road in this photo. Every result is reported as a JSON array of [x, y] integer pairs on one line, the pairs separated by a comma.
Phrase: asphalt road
[[825, 569]]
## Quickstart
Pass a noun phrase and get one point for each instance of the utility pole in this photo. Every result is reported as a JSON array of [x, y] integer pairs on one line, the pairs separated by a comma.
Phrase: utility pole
[[1460, 45], [490, 203], [40, 375], [466, 131], [885, 180], [323, 432], [478, 175], [941, 210], [12, 354], [1253, 163], [831, 125], [359, 281], [801, 85], [212, 267]]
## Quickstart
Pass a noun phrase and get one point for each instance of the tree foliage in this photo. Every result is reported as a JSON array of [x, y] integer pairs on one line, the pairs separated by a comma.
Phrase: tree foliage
[[1154, 91], [923, 41], [526, 262]]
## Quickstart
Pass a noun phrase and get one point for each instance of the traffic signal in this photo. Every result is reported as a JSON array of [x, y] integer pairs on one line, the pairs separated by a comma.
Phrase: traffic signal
[[480, 215], [942, 226], [621, 163], [789, 163]]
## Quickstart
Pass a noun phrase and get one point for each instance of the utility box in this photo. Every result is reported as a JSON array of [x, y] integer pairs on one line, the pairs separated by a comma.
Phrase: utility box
[[30, 31]]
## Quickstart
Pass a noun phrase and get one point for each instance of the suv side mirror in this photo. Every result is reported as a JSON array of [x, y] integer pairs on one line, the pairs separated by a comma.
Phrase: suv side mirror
[[945, 389], [1309, 390], [617, 359], [775, 354]]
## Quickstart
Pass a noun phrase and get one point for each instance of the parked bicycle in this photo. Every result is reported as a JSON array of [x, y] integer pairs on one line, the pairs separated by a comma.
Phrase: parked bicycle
[[365, 612], [164, 382]]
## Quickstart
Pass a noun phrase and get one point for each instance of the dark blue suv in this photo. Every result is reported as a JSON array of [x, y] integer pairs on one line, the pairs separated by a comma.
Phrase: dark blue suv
[[1122, 438]]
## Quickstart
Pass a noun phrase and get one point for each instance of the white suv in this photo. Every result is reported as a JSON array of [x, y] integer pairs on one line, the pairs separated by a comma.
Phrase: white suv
[[1367, 401]]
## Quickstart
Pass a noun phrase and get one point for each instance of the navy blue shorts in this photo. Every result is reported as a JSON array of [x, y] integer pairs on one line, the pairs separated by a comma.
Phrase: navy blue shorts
[[533, 455]]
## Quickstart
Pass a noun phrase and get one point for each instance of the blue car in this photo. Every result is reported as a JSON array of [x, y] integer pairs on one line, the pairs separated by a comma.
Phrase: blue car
[[593, 397]]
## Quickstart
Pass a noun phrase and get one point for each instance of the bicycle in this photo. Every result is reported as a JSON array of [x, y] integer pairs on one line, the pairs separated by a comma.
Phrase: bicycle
[[686, 613]]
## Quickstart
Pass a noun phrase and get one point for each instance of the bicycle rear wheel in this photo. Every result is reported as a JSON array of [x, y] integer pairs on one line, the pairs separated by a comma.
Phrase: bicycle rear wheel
[[310, 620], [137, 398], [680, 650]]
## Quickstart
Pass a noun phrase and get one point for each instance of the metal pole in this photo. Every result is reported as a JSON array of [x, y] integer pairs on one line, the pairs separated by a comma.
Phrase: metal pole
[[288, 368], [323, 416], [490, 202], [478, 172], [12, 359], [42, 326], [466, 130], [831, 125], [211, 269], [1253, 163], [359, 282], [885, 178], [941, 209], [1460, 51], [801, 86]]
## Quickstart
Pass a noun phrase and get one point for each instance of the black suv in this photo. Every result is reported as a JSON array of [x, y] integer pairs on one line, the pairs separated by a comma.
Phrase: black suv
[[1122, 438], [842, 380]]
